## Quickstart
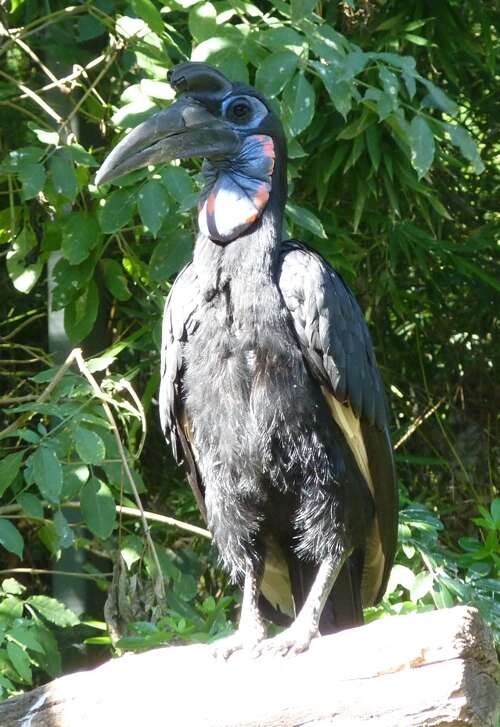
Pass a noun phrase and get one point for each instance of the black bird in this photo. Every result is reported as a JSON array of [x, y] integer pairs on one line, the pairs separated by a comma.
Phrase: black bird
[[270, 392]]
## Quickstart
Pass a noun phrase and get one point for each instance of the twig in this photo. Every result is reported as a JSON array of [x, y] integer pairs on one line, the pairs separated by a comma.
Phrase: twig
[[43, 571], [124, 384], [44, 395], [34, 97], [10, 401], [89, 90], [25, 47], [61, 82], [164, 519], [13, 334], [11, 510], [77, 355], [417, 423]]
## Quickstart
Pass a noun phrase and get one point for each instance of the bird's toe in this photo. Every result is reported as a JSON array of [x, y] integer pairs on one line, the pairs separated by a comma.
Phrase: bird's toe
[[288, 643]]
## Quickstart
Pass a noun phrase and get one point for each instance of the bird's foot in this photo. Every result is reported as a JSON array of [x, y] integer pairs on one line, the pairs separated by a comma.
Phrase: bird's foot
[[293, 640], [242, 640]]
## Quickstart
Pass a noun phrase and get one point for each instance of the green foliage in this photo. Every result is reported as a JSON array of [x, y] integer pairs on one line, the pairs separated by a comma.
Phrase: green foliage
[[430, 575], [27, 642], [390, 121]]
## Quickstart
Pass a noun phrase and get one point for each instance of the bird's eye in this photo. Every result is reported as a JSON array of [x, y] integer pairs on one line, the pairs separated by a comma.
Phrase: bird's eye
[[239, 111]]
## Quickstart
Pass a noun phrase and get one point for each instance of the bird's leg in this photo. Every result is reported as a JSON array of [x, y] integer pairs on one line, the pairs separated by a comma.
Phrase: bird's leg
[[305, 628], [251, 629]]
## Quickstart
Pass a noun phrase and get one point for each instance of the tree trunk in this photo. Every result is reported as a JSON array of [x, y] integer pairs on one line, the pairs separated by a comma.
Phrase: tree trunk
[[433, 669]]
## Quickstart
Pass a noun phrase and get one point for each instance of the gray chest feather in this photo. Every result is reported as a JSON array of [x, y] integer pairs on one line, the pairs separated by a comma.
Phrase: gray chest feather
[[245, 378]]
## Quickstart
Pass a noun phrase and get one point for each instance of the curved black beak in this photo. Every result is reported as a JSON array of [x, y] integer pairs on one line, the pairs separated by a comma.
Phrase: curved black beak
[[185, 129]]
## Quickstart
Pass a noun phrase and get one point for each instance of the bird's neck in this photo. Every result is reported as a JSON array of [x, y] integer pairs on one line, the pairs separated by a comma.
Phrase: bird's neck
[[248, 263]]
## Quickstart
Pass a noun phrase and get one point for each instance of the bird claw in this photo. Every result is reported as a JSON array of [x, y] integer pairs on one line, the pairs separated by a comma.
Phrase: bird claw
[[288, 643], [239, 641]]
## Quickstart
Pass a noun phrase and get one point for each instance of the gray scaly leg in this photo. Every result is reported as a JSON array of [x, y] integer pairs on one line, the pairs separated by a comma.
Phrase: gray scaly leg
[[251, 630]]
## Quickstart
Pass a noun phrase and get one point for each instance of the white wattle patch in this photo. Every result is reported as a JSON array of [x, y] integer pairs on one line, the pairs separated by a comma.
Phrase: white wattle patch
[[232, 210], [237, 189]]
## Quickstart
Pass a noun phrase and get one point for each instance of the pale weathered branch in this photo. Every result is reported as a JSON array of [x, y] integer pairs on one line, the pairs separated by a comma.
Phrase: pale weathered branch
[[436, 668]]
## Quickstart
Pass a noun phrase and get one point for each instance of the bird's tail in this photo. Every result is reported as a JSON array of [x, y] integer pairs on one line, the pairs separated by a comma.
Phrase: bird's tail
[[343, 608]]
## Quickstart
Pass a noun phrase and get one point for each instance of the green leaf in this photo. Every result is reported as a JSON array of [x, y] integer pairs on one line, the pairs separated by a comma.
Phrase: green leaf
[[202, 21], [47, 473], [32, 176], [24, 637], [178, 182], [71, 280], [340, 92], [63, 175], [422, 145], [372, 136], [328, 44], [400, 575], [10, 537], [359, 205], [31, 505], [416, 39], [132, 550], [302, 9], [306, 219], [9, 467], [385, 106], [298, 104], [461, 138], [471, 269], [152, 202], [75, 475], [353, 64], [23, 270], [275, 72], [20, 661], [45, 135], [495, 511], [81, 156], [421, 586], [89, 446], [146, 10], [115, 279], [170, 255], [80, 234], [357, 126], [80, 315], [65, 533], [10, 585], [410, 83], [118, 210], [437, 98], [276, 39], [54, 611], [98, 508], [390, 84]]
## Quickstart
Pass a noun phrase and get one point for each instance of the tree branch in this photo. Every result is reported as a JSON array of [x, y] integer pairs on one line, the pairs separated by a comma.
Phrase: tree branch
[[437, 668]]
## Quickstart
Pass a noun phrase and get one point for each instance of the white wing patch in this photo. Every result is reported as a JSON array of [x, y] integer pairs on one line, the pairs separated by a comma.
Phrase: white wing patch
[[275, 585], [374, 564]]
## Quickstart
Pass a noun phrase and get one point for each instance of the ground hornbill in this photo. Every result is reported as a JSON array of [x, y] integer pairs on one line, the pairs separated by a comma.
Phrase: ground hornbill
[[270, 392]]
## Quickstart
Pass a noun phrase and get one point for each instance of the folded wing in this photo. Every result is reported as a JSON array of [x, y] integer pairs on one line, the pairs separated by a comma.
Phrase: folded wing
[[336, 344]]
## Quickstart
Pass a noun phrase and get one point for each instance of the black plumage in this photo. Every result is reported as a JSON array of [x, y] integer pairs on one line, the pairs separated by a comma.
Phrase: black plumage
[[270, 392]]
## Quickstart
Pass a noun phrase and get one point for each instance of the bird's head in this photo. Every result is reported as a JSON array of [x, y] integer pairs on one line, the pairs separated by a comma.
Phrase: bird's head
[[233, 128]]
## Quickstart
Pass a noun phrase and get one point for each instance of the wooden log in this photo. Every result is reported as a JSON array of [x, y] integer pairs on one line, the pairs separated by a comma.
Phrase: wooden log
[[435, 669]]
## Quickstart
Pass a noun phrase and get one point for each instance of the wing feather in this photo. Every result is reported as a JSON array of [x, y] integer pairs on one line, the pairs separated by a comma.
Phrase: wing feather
[[335, 341], [179, 321]]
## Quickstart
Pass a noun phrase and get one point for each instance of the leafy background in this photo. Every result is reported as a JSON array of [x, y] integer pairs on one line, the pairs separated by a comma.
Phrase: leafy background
[[389, 112]]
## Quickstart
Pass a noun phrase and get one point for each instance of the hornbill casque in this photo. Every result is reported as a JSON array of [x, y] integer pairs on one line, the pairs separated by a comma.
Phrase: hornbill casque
[[270, 392]]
